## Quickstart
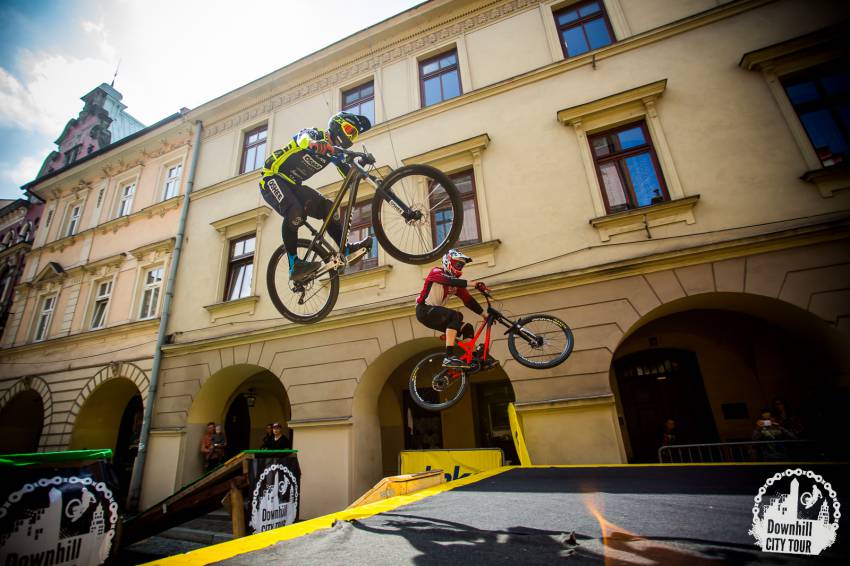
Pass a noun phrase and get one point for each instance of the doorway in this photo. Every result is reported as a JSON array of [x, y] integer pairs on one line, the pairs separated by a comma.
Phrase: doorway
[[237, 426], [494, 429], [657, 385]]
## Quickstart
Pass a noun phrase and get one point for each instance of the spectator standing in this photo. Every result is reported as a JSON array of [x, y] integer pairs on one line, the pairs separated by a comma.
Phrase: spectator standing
[[278, 440]]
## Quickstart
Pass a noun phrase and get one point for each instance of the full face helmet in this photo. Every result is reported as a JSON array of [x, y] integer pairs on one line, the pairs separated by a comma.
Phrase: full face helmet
[[453, 262], [344, 127]]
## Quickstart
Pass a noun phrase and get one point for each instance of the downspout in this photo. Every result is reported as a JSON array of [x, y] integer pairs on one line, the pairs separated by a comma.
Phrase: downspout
[[139, 466]]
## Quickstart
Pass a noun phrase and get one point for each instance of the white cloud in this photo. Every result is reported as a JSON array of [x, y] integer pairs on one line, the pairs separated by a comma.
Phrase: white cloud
[[41, 101], [24, 170]]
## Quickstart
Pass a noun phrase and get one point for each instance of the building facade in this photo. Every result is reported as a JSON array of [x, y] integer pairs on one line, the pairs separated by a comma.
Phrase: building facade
[[669, 178], [19, 219], [79, 340]]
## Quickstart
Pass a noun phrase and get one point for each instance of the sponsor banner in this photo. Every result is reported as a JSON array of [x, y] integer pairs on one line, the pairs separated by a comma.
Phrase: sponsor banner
[[455, 464], [274, 492], [58, 509], [796, 512]]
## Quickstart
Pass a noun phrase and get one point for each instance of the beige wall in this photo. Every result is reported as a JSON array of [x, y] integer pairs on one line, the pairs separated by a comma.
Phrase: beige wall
[[757, 232]]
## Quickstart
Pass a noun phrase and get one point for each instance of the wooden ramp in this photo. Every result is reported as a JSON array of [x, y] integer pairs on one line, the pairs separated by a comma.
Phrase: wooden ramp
[[400, 485], [222, 486]]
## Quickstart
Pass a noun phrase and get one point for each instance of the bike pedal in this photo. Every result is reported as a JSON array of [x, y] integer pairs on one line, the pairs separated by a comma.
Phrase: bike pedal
[[356, 256]]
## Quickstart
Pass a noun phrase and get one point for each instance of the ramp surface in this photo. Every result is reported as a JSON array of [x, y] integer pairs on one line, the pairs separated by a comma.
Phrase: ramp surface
[[582, 515]]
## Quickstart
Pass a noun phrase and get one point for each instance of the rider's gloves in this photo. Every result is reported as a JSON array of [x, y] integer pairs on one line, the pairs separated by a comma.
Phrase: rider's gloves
[[321, 147], [481, 286]]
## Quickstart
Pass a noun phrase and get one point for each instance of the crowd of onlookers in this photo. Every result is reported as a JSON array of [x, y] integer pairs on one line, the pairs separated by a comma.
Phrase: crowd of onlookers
[[214, 443]]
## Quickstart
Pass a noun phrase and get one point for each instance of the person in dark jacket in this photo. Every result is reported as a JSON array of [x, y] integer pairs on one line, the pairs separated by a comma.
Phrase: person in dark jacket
[[278, 440]]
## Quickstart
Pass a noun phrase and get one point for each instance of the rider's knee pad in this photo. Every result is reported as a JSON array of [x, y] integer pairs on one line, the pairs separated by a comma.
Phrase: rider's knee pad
[[467, 331], [455, 319]]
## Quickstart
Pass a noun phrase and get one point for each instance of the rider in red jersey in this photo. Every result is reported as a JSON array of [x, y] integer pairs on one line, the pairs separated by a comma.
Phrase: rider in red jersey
[[440, 284]]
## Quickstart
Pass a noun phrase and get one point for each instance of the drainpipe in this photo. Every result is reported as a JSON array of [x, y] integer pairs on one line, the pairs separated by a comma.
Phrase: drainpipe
[[139, 466]]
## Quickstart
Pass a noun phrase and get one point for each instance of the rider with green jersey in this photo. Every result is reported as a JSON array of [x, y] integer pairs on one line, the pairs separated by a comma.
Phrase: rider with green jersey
[[285, 170]]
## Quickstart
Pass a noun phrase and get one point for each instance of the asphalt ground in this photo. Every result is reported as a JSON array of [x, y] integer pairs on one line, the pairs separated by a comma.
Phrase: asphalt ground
[[577, 515]]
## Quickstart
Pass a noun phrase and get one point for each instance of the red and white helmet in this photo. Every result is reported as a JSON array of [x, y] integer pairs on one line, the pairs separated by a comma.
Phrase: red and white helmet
[[453, 262]]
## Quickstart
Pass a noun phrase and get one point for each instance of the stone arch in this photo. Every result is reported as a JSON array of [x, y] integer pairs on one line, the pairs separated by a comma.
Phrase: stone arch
[[749, 348], [37, 384], [114, 370]]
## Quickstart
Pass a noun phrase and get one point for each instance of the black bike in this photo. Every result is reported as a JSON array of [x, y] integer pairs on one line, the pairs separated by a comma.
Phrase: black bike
[[537, 341], [417, 215]]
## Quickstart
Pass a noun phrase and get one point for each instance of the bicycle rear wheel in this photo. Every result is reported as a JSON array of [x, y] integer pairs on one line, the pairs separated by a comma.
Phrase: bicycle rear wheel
[[306, 302], [540, 341], [433, 387], [436, 220]]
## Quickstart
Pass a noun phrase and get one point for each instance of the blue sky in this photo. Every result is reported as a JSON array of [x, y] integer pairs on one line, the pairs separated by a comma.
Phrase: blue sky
[[173, 53]]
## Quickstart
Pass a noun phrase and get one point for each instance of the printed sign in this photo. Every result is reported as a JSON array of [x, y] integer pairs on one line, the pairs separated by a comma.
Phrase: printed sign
[[795, 512], [274, 495], [66, 516], [456, 464]]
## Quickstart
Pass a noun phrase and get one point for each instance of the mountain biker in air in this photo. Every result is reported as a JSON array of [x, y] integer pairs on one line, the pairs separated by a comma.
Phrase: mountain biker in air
[[440, 283], [285, 169]]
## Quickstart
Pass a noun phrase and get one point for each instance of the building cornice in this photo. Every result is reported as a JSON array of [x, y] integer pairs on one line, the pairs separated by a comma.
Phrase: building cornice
[[136, 327], [402, 306], [443, 32]]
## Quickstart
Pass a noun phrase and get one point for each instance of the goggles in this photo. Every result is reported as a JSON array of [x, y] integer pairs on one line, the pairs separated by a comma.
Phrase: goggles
[[457, 263], [349, 130]]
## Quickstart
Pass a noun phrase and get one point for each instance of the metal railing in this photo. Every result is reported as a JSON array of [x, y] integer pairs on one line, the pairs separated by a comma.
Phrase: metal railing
[[755, 451]]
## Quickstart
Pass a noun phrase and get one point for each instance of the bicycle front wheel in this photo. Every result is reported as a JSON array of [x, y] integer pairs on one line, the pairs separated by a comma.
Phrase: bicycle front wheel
[[434, 222], [540, 341], [309, 301], [433, 387]]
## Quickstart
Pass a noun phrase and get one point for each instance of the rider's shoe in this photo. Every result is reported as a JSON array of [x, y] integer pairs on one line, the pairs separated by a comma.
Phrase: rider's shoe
[[351, 250], [299, 270], [490, 362], [453, 362]]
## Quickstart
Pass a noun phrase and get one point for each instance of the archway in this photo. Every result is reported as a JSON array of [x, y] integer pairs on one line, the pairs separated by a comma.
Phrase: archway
[[714, 362], [21, 421], [383, 410], [244, 398]]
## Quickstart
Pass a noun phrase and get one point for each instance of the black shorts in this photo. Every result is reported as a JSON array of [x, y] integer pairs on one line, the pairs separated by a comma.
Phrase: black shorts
[[299, 201], [438, 318]]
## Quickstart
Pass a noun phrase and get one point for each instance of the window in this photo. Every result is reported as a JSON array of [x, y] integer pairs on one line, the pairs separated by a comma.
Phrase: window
[[240, 267], [439, 78], [361, 227], [44, 317], [442, 211], [627, 168], [821, 99], [583, 27], [73, 219], [172, 182], [101, 301], [360, 100], [125, 204], [254, 149], [150, 294], [71, 154]]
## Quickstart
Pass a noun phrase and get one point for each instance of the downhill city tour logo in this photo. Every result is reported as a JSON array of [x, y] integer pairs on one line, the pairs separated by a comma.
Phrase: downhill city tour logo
[[58, 520], [795, 512], [275, 499]]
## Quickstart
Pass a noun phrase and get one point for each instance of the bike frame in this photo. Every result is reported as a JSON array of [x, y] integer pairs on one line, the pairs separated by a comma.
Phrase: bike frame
[[351, 182], [493, 316]]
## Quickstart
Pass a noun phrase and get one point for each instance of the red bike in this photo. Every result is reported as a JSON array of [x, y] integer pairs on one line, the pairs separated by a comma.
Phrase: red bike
[[538, 341]]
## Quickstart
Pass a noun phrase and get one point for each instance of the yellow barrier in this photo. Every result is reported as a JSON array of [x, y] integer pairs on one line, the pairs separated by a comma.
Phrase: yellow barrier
[[456, 464], [519, 439]]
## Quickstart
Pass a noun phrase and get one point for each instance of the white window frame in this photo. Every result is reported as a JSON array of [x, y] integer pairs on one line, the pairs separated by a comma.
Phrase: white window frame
[[45, 314], [173, 181], [125, 198], [155, 288], [72, 220], [97, 298]]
